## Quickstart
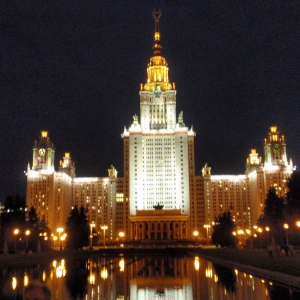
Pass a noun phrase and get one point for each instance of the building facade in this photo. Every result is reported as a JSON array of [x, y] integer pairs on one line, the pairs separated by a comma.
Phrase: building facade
[[160, 197]]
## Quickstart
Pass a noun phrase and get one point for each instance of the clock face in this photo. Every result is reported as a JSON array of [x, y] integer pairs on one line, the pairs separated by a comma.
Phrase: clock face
[[42, 152], [276, 147]]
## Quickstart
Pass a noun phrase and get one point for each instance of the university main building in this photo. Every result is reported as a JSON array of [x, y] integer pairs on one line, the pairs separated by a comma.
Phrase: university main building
[[160, 197]]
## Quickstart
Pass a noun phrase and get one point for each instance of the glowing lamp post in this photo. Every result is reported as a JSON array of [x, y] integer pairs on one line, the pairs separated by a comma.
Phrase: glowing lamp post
[[63, 238], [59, 231], [196, 234], [16, 232], [104, 227], [268, 231], [54, 237], [121, 236], [27, 233], [286, 227], [260, 232], [207, 227], [91, 233]]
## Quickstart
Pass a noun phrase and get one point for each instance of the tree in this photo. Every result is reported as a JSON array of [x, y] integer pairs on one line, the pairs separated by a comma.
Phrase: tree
[[13, 216], [39, 229], [293, 196], [77, 228], [223, 229], [273, 215]]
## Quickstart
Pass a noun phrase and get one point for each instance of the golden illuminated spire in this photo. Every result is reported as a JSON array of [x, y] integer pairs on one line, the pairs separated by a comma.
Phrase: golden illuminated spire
[[157, 71], [157, 47]]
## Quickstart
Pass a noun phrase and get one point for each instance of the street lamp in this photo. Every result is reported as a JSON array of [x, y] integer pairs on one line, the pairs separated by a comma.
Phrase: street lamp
[[91, 234], [63, 237], [207, 226], [104, 227], [268, 230], [27, 233], [286, 227], [260, 231], [59, 230], [54, 237], [16, 232], [196, 234], [121, 236]]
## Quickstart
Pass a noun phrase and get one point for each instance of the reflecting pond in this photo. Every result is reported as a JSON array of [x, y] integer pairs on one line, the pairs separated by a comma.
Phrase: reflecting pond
[[140, 277]]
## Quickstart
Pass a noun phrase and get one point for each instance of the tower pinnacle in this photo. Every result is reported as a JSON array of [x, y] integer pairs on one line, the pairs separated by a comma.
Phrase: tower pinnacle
[[157, 47]]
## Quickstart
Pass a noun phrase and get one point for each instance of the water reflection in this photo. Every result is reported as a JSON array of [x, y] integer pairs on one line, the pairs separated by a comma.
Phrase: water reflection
[[140, 277], [226, 278]]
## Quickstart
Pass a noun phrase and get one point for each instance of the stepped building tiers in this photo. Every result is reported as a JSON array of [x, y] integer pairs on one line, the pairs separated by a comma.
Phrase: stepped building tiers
[[160, 197]]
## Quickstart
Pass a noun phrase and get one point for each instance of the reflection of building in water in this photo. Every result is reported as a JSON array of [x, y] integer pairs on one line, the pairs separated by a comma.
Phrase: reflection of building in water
[[137, 277], [167, 277]]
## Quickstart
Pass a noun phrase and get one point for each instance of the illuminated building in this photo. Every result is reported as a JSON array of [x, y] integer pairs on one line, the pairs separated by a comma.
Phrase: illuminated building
[[160, 197]]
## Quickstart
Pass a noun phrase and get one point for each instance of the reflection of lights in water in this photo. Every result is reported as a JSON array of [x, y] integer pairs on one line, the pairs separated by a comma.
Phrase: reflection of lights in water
[[44, 276], [14, 283], [59, 269], [92, 279], [25, 279], [121, 265], [208, 273], [216, 278], [197, 263], [104, 274]]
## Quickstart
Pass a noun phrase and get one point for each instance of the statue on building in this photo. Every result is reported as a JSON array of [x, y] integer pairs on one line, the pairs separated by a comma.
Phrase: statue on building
[[180, 120], [135, 120]]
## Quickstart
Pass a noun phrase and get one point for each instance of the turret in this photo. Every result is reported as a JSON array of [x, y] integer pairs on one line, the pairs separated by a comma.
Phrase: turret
[[275, 149], [43, 153], [67, 165]]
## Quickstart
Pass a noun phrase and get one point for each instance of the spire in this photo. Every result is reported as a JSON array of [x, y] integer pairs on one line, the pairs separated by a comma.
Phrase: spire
[[157, 47], [157, 70]]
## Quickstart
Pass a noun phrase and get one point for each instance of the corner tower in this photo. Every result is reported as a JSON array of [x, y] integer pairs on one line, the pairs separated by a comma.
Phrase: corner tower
[[275, 149], [43, 153]]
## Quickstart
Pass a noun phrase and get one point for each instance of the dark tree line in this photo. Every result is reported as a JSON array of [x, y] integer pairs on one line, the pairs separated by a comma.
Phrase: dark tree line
[[222, 230], [21, 229], [77, 228], [283, 210], [277, 212]]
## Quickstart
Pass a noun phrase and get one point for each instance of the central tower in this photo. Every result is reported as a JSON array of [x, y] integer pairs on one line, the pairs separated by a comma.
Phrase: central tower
[[158, 151], [157, 95]]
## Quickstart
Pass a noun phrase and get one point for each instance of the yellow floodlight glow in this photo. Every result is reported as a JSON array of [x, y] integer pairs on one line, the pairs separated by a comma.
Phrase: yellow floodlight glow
[[122, 265], [197, 263]]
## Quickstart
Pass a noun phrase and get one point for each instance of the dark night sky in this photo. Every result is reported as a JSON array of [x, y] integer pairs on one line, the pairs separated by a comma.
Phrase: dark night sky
[[74, 68]]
